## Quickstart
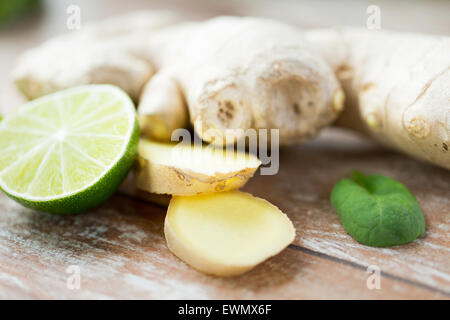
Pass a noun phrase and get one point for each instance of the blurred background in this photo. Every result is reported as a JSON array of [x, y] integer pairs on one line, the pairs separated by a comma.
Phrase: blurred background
[[27, 23]]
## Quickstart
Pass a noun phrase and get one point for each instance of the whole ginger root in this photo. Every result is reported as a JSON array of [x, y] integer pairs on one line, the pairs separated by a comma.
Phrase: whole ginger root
[[240, 73], [226, 75], [108, 51], [229, 74], [397, 87]]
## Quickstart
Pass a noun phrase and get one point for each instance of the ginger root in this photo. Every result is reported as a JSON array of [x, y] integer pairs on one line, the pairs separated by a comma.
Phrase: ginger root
[[226, 234], [240, 73], [234, 74], [397, 87], [109, 51], [162, 109], [164, 168]]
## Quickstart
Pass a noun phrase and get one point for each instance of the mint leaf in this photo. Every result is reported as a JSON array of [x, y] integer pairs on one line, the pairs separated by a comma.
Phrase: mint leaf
[[377, 211]]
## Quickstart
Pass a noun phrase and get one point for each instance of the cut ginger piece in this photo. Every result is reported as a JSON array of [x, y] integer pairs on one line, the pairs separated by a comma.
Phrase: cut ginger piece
[[226, 234], [178, 169]]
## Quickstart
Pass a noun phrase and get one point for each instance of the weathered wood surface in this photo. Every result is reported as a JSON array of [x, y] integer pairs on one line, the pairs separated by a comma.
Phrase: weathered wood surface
[[120, 246], [121, 251], [303, 185]]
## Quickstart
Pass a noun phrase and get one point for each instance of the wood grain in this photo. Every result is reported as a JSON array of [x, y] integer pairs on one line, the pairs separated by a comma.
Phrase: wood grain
[[317, 166], [121, 251]]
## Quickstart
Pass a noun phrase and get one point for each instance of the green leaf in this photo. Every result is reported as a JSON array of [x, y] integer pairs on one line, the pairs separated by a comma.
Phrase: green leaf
[[377, 211], [11, 9]]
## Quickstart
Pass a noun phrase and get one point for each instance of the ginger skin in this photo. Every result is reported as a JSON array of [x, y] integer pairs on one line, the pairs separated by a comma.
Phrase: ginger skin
[[233, 73], [251, 73], [162, 108], [257, 73], [397, 87], [108, 51]]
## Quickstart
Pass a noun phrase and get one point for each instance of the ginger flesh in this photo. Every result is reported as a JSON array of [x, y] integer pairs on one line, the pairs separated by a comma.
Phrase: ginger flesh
[[226, 234], [164, 168]]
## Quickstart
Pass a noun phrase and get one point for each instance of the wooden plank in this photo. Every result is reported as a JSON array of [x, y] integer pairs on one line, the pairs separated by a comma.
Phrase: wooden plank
[[303, 186], [121, 251]]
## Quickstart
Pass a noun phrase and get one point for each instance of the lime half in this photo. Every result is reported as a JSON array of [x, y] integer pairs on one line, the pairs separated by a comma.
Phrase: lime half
[[69, 151]]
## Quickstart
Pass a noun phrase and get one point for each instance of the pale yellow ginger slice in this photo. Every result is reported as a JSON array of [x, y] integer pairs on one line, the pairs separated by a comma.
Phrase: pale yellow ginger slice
[[226, 234], [164, 168]]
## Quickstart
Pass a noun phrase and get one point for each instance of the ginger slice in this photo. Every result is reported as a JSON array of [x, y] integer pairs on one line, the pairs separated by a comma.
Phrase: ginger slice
[[226, 234], [164, 168]]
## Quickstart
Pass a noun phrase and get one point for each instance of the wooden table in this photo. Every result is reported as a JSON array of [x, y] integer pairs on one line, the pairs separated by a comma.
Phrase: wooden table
[[120, 250]]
